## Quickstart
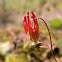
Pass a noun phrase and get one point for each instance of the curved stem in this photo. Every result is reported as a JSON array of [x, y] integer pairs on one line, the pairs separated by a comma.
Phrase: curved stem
[[49, 35]]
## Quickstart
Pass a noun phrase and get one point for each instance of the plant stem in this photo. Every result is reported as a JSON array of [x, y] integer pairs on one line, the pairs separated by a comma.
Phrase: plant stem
[[49, 36]]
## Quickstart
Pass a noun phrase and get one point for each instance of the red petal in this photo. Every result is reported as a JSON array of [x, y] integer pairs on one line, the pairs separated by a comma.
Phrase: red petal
[[36, 27], [25, 24]]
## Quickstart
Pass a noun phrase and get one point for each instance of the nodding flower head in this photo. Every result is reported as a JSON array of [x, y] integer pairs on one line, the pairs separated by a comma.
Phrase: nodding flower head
[[32, 31]]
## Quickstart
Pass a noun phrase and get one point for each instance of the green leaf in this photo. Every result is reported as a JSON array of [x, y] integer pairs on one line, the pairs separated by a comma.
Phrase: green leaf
[[60, 53], [60, 4], [59, 42], [56, 22]]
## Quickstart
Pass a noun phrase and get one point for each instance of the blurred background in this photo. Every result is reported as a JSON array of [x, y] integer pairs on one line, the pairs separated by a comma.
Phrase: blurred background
[[12, 33]]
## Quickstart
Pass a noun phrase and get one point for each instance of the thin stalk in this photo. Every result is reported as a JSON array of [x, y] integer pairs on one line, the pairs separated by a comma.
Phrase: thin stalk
[[49, 36]]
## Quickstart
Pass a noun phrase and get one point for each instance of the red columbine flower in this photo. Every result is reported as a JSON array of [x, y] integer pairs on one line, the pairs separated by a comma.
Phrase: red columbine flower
[[32, 31]]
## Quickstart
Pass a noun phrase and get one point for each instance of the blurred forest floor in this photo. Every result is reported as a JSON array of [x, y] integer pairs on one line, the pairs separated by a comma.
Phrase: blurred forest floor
[[11, 27]]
